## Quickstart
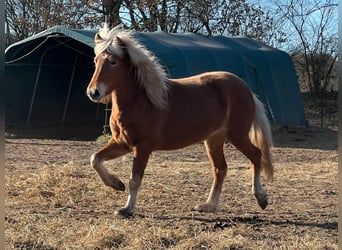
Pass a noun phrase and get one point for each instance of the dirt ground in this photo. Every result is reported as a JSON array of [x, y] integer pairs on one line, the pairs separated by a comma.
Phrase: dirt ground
[[55, 201]]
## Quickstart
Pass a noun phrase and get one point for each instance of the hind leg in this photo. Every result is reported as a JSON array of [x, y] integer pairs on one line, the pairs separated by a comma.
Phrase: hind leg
[[214, 148], [243, 144]]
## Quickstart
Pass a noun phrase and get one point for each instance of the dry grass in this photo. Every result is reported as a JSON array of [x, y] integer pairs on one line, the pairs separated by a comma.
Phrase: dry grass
[[55, 201]]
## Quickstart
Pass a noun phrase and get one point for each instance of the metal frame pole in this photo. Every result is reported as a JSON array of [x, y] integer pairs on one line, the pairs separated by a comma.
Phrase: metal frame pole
[[69, 91], [35, 89]]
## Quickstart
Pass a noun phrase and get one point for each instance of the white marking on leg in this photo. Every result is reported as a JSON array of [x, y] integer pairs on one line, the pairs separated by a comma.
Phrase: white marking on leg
[[257, 186], [258, 191], [134, 186], [213, 197]]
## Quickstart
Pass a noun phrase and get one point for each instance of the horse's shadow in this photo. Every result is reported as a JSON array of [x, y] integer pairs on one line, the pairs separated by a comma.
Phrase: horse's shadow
[[255, 221]]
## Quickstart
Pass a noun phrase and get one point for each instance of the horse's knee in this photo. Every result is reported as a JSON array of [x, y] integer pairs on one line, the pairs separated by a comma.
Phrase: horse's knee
[[220, 173], [109, 179], [94, 160], [222, 170]]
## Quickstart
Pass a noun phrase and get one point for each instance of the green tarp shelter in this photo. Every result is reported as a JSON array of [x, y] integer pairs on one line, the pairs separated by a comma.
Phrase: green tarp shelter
[[47, 74]]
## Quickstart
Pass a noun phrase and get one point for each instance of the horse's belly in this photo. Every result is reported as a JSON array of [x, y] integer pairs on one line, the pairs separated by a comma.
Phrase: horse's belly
[[179, 142], [181, 133], [195, 111]]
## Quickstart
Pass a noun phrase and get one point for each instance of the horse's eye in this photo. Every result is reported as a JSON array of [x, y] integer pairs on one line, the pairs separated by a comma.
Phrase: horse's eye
[[112, 62]]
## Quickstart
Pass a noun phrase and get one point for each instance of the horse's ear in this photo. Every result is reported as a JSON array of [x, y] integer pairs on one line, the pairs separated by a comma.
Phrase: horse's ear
[[98, 38], [119, 42]]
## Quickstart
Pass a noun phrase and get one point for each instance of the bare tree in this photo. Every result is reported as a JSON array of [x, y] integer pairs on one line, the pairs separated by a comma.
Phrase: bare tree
[[314, 40], [314, 44], [107, 9], [153, 15], [24, 18], [232, 18], [224, 17]]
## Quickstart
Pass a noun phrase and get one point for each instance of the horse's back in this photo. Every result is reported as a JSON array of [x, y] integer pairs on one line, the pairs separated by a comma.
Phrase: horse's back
[[238, 97], [227, 89], [199, 106]]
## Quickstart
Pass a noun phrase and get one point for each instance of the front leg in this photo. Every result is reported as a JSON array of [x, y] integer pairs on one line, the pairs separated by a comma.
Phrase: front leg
[[139, 164], [110, 151]]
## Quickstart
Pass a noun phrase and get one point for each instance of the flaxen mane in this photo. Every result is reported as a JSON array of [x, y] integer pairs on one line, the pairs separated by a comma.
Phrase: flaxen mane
[[149, 72]]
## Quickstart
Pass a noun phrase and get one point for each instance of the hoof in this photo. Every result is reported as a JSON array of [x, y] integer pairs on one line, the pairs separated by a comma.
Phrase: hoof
[[205, 208], [115, 183], [262, 201], [263, 204], [124, 213]]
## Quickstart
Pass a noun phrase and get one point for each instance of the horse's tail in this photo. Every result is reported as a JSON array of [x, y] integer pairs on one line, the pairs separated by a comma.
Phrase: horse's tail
[[261, 136]]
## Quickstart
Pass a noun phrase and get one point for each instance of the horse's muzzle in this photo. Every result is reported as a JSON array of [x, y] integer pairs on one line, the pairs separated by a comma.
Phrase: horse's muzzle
[[94, 94]]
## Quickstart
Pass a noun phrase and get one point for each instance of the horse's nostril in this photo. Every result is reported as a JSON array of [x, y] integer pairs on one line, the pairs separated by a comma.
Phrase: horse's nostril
[[95, 94]]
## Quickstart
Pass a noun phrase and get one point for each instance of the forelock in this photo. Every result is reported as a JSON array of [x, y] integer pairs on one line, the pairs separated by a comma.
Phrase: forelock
[[108, 42]]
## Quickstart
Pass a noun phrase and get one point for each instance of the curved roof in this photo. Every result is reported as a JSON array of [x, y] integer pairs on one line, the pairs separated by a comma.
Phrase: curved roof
[[194, 52], [269, 72]]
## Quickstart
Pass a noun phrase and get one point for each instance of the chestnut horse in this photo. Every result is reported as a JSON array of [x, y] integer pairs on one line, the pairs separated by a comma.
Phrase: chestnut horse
[[151, 112]]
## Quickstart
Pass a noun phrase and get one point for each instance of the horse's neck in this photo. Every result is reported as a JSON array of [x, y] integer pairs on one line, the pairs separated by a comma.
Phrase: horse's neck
[[124, 98], [119, 102]]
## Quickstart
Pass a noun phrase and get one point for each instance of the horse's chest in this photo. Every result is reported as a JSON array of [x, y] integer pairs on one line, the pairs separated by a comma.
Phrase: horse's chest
[[124, 131]]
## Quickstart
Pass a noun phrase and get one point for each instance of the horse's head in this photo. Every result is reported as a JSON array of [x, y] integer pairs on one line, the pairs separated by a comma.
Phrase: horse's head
[[120, 61], [111, 66]]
